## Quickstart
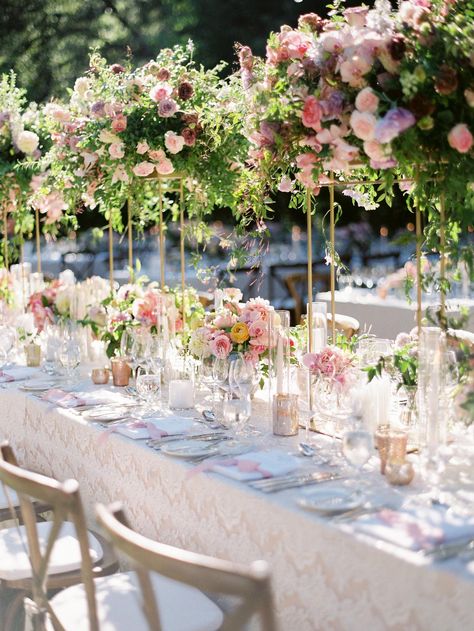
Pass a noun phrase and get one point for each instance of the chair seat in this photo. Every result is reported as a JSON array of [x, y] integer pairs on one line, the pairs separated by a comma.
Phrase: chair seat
[[65, 557], [181, 608]]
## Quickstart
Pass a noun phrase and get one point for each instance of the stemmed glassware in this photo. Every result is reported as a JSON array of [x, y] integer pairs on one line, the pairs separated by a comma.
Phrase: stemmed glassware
[[357, 445], [148, 386], [69, 356], [220, 373], [7, 341]]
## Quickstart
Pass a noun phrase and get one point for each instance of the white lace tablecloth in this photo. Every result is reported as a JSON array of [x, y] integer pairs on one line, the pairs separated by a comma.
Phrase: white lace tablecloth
[[323, 577]]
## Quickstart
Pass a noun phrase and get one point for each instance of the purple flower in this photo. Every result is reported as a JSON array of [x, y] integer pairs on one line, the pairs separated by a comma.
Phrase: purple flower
[[332, 106], [97, 109], [167, 108], [395, 121]]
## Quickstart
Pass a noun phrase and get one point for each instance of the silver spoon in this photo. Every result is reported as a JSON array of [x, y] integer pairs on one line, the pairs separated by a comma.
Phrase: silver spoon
[[310, 452]]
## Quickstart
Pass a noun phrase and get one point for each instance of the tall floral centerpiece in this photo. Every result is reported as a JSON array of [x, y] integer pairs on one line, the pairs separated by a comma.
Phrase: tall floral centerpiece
[[22, 140], [374, 95]]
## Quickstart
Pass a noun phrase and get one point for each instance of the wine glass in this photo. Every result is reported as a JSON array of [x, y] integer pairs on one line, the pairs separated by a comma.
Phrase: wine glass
[[156, 353], [138, 350], [69, 356], [220, 373], [242, 376], [236, 413], [357, 449], [148, 386]]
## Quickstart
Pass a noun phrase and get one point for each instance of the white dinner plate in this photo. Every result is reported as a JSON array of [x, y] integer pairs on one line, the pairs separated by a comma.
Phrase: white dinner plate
[[104, 415], [37, 385], [189, 448], [329, 501]]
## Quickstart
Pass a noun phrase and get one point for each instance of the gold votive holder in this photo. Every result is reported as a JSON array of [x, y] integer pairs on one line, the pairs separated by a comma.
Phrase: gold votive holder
[[400, 474], [285, 414], [397, 448], [382, 441], [100, 375], [33, 355], [120, 371]]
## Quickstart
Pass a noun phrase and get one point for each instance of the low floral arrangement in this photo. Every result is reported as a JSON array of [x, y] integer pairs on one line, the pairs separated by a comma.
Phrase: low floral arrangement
[[51, 305], [136, 305], [402, 363], [332, 365], [235, 328]]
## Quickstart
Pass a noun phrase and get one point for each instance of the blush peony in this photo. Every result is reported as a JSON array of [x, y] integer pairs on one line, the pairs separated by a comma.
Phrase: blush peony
[[363, 124], [173, 142], [143, 169]]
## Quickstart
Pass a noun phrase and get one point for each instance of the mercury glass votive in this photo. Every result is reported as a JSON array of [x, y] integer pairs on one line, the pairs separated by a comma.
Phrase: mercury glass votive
[[397, 447], [120, 371], [382, 441], [285, 414], [100, 375]]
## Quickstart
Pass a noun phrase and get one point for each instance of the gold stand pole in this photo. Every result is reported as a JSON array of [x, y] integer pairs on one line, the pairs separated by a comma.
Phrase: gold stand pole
[[162, 237], [22, 261], [332, 239], [130, 239], [182, 255], [418, 269], [442, 243], [38, 241], [111, 253], [309, 227], [5, 236]]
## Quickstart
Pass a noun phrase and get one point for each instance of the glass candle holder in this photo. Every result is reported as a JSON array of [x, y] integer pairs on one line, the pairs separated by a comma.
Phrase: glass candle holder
[[100, 375], [285, 414], [318, 328], [397, 447], [382, 441], [33, 355], [181, 394], [120, 371]]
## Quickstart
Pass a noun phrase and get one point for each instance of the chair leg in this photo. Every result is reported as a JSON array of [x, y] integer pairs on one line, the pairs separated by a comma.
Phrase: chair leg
[[13, 612]]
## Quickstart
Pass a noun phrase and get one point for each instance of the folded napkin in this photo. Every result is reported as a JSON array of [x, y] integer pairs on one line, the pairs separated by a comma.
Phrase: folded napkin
[[75, 399], [17, 374], [253, 465], [156, 428], [422, 529]]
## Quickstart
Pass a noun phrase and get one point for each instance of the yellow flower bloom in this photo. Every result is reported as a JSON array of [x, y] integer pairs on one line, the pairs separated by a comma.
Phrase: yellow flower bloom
[[239, 333]]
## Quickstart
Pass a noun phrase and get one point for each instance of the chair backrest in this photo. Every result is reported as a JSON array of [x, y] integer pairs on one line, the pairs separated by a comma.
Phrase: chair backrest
[[250, 584], [65, 503], [345, 324]]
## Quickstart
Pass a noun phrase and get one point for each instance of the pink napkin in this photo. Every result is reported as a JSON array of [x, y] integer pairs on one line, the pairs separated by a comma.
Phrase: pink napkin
[[243, 466], [62, 398], [5, 377], [153, 431]]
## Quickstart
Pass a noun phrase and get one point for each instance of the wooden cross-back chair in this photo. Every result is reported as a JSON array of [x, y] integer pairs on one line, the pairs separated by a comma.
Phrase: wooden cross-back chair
[[251, 585], [89, 554]]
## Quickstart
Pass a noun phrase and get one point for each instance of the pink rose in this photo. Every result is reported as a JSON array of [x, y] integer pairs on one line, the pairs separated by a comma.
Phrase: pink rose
[[142, 147], [375, 150], [167, 108], [258, 328], [165, 167], [160, 91], [367, 101], [157, 155], [353, 70], [143, 169], [116, 150], [363, 124], [119, 123], [173, 142], [225, 320], [312, 113], [221, 346], [460, 138]]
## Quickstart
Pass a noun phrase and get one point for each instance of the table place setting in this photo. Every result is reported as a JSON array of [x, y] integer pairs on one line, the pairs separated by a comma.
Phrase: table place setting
[[16, 373]]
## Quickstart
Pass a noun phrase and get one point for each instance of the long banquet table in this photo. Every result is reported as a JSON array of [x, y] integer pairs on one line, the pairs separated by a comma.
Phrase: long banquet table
[[324, 576]]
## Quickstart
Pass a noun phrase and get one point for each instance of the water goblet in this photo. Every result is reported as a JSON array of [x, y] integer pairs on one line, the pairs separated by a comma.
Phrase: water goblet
[[236, 413], [357, 449], [69, 356], [148, 386]]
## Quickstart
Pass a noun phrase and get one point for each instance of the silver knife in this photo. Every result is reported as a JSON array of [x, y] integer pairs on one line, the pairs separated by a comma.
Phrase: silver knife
[[293, 482]]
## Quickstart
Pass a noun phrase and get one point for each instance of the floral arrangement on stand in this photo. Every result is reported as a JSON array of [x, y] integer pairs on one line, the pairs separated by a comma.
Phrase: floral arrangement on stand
[[23, 139], [124, 126], [234, 328], [378, 93], [50, 305]]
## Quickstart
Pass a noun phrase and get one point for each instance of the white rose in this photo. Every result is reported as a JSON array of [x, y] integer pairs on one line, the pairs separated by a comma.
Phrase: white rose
[[81, 85], [27, 142], [63, 302]]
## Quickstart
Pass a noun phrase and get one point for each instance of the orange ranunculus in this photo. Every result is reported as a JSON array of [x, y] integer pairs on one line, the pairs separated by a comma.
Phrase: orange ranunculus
[[239, 333]]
